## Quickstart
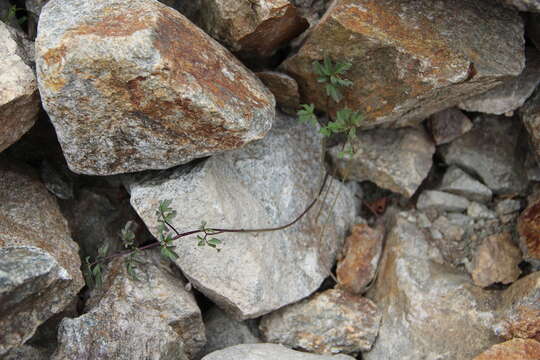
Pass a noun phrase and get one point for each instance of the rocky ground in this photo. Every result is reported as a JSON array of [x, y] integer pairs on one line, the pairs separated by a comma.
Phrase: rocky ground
[[424, 243]]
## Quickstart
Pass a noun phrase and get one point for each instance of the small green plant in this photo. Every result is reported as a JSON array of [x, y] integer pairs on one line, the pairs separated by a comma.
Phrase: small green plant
[[329, 73], [12, 14]]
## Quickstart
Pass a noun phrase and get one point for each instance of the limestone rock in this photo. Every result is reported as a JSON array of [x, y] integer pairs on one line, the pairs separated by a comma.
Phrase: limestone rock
[[519, 313], [251, 28], [268, 352], [40, 272], [509, 96], [394, 159], [330, 322], [530, 115], [19, 99], [496, 261], [154, 318], [223, 331], [448, 124], [529, 230], [410, 60], [411, 289], [284, 88], [457, 181], [515, 349], [493, 152], [266, 184], [362, 252], [441, 201], [524, 5], [132, 85]]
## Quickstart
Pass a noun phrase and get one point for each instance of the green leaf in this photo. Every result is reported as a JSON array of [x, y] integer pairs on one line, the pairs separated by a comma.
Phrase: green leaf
[[167, 253], [96, 271], [328, 65], [214, 241], [103, 250], [333, 92], [341, 68], [130, 268]]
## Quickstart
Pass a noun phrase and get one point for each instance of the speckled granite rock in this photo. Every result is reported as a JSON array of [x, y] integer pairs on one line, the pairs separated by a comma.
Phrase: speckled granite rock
[[457, 181], [528, 228], [530, 115], [448, 124], [268, 352], [515, 349]]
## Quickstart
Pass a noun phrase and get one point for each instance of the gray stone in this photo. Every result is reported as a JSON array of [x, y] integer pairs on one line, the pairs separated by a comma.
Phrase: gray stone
[[524, 5], [480, 211], [19, 99], [448, 124], [57, 179], [330, 322], [26, 352], [154, 318], [268, 352], [449, 234], [410, 59], [132, 85], [441, 201], [457, 181], [35, 6], [266, 184], [512, 94], [430, 311], [40, 267], [508, 206], [222, 331], [394, 159], [493, 152], [530, 115]]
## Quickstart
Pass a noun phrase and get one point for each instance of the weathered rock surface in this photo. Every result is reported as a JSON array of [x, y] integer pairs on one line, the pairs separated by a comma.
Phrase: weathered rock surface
[[154, 318], [519, 313], [19, 99], [410, 60], [39, 273], [529, 230], [513, 93], [284, 88], [480, 211], [133, 85], [362, 252], [268, 352], [524, 5], [457, 181], [449, 233], [441, 201], [27, 353], [222, 331], [530, 115], [496, 261], [394, 159], [411, 289], [493, 152], [252, 28], [330, 322], [515, 349], [268, 183], [448, 124]]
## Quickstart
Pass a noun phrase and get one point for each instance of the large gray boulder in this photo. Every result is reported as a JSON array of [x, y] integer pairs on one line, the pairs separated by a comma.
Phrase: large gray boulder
[[39, 262], [268, 352], [266, 184], [132, 85], [530, 115]]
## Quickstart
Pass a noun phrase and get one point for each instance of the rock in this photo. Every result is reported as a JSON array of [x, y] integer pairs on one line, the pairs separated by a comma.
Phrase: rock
[[26, 352], [449, 234], [362, 252], [40, 267], [35, 6], [448, 125], [57, 179], [441, 201], [394, 159], [222, 331], [515, 349], [267, 352], [330, 322], [519, 313], [496, 261], [492, 152], [530, 115], [311, 10], [19, 99], [528, 227], [241, 25], [480, 211], [284, 88], [509, 96], [411, 289], [508, 206], [266, 184], [410, 60], [524, 5], [157, 90], [154, 318], [457, 181]]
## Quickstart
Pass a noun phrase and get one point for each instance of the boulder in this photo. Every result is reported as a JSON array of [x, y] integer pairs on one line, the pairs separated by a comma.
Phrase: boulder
[[268, 352], [329, 322], [410, 60], [132, 85], [412, 287], [441, 201], [448, 124], [39, 263], [266, 184], [458, 182], [492, 151], [394, 159], [530, 115], [515, 349], [19, 98], [513, 93], [150, 318]]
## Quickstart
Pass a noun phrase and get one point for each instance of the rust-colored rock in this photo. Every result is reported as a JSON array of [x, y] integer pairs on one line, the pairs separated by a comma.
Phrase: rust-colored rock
[[284, 88], [362, 252], [411, 59], [529, 230], [515, 349]]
